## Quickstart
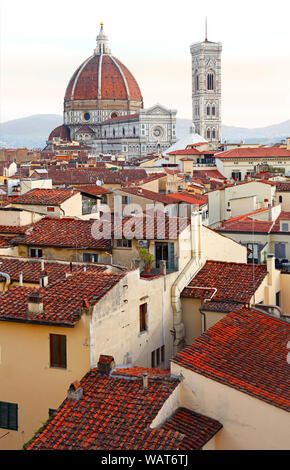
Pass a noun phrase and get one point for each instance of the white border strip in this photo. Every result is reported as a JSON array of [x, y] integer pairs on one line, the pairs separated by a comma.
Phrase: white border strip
[[123, 76], [77, 77]]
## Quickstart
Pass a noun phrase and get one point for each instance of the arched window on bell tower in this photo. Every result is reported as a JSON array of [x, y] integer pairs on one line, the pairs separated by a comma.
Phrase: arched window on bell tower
[[213, 133], [210, 81], [208, 133], [196, 81], [213, 110]]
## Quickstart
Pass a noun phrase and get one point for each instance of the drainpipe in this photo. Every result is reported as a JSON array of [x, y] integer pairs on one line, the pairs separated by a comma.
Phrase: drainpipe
[[182, 280]]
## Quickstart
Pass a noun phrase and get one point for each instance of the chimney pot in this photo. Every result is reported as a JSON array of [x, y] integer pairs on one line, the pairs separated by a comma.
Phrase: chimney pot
[[75, 391]]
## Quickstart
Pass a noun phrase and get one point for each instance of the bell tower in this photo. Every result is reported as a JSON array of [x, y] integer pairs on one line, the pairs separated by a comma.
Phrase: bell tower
[[206, 89]]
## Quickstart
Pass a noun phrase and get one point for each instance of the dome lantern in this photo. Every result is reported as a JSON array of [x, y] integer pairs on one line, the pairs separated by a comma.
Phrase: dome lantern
[[102, 42]]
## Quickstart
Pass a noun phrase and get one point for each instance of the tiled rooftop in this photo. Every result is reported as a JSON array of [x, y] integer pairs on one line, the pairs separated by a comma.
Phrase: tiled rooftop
[[245, 224], [80, 176], [246, 350], [13, 229], [198, 429], [115, 413], [32, 269], [145, 193], [283, 186], [185, 152], [65, 233], [284, 216], [93, 189], [52, 197], [248, 152], [62, 301], [4, 242], [225, 281], [154, 228], [189, 198]]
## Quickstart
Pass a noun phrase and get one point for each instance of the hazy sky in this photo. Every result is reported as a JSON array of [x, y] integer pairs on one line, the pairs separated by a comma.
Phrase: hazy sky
[[43, 42]]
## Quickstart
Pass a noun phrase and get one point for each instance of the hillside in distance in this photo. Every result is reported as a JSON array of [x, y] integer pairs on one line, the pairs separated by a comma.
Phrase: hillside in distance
[[265, 135], [30, 131], [33, 131]]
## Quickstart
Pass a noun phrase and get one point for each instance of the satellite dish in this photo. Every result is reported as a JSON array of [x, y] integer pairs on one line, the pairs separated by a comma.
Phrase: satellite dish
[[99, 183]]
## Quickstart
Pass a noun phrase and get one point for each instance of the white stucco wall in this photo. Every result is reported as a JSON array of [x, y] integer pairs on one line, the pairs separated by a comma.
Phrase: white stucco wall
[[248, 423]]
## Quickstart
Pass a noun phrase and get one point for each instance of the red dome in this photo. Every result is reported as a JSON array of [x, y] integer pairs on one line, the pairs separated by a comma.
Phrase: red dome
[[103, 77], [62, 132]]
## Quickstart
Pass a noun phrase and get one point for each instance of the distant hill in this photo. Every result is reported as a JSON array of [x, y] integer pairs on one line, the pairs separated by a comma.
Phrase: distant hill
[[30, 132], [265, 135], [33, 131]]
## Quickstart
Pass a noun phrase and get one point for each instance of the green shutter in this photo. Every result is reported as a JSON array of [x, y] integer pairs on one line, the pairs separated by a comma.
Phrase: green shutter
[[9, 416]]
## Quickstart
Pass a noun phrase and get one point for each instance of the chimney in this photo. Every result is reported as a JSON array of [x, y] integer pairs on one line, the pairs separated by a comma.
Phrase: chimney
[[270, 267], [21, 279], [35, 303], [106, 364], [75, 391], [43, 279], [145, 380], [42, 265]]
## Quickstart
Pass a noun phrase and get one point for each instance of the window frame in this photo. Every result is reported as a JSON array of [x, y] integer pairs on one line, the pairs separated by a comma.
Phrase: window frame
[[143, 311], [10, 406], [60, 364], [124, 243], [95, 255], [36, 251]]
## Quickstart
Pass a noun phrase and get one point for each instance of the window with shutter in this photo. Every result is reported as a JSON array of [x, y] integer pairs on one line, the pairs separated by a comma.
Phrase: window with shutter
[[58, 351], [9, 416]]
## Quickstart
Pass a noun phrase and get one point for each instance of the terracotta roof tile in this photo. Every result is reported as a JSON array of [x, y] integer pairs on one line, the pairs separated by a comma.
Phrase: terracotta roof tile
[[246, 350], [246, 224], [13, 229], [248, 152], [32, 269], [147, 194], [93, 189], [4, 243], [189, 198], [77, 176], [62, 301], [284, 216], [52, 197], [225, 281], [65, 233], [198, 429], [115, 413], [282, 186]]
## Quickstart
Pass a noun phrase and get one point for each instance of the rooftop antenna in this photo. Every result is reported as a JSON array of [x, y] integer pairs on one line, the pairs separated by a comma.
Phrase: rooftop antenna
[[206, 28]]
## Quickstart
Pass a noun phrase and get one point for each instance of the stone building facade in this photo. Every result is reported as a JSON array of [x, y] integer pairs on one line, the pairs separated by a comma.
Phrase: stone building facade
[[103, 108], [206, 89]]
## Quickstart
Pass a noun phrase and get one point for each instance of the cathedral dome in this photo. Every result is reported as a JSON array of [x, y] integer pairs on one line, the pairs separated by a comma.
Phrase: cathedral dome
[[61, 132], [103, 77], [103, 82]]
